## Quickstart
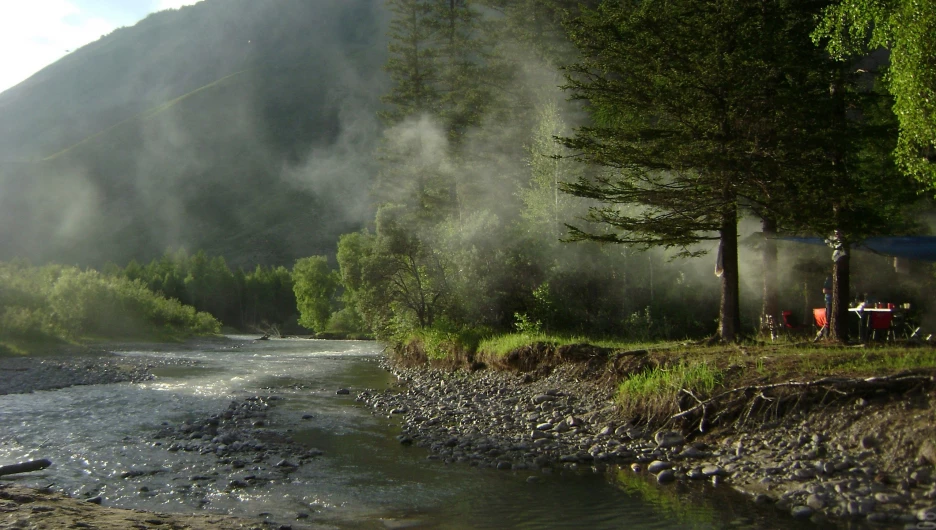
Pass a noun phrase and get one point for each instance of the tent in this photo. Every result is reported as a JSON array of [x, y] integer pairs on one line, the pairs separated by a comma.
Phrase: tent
[[922, 248]]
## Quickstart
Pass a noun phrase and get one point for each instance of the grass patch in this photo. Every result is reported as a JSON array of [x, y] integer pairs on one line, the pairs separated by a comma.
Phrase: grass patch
[[40, 345], [658, 390], [501, 345]]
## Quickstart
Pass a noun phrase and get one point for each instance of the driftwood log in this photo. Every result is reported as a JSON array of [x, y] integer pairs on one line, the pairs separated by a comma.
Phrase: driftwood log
[[25, 467]]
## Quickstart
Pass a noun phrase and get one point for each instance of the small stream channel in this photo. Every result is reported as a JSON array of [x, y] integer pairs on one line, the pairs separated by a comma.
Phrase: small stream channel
[[364, 479]]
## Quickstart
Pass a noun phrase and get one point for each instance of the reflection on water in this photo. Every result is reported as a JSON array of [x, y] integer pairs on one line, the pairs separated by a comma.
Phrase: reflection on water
[[365, 479]]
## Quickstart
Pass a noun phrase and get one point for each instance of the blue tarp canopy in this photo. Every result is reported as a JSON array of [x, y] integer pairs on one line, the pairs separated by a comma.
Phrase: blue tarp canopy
[[921, 248]]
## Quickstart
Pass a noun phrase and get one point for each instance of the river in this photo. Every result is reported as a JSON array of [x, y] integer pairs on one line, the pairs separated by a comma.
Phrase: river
[[364, 479]]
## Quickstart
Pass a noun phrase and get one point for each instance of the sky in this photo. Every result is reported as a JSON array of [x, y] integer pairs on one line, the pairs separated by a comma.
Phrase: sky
[[36, 33]]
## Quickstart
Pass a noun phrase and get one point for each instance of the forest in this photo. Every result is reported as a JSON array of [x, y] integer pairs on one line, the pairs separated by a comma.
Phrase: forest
[[675, 124], [583, 168]]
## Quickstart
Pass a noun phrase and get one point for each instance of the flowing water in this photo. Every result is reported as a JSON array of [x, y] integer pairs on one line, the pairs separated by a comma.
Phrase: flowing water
[[365, 479]]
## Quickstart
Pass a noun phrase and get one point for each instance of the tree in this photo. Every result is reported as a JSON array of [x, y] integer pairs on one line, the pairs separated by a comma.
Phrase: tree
[[441, 77], [545, 209], [314, 284], [684, 97], [856, 191], [907, 28], [412, 64]]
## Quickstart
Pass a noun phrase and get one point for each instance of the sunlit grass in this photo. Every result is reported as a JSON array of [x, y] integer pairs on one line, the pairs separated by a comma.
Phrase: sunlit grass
[[664, 384], [501, 345]]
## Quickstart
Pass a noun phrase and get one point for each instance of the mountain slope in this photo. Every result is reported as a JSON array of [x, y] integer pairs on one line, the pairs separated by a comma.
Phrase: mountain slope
[[237, 126]]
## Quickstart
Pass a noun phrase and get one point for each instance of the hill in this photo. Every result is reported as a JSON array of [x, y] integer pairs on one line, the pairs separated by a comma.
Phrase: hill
[[241, 127]]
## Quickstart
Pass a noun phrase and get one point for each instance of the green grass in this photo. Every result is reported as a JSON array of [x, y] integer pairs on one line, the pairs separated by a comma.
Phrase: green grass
[[871, 361], [501, 345], [657, 390], [697, 377]]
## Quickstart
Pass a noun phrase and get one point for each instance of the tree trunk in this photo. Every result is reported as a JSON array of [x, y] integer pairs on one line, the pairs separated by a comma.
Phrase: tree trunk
[[729, 311], [838, 323], [770, 321]]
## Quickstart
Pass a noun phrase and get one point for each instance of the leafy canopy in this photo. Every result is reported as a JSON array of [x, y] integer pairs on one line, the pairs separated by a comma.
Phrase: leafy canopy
[[907, 28]]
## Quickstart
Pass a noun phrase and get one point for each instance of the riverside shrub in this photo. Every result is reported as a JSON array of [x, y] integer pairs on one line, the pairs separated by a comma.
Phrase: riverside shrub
[[67, 302]]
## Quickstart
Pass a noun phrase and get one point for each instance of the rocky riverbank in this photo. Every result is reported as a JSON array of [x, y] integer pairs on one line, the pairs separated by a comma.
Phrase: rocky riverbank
[[234, 438], [30, 509], [849, 463], [20, 375]]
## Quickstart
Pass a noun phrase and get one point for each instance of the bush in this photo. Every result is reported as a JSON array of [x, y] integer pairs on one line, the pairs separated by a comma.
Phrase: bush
[[66, 302]]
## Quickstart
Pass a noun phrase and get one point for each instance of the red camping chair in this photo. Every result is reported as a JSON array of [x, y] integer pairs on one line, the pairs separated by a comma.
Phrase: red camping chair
[[790, 326], [822, 322], [788, 321], [881, 321]]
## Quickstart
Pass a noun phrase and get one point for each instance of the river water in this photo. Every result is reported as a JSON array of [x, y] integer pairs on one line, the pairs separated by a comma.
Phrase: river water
[[365, 479]]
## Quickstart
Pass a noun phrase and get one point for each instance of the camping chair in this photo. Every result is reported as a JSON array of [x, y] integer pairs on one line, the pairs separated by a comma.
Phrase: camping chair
[[819, 314], [881, 321], [789, 325]]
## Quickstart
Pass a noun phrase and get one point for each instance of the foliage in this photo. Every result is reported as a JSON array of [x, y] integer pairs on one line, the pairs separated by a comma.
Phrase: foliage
[[527, 326], [315, 285], [907, 28], [66, 302], [261, 299]]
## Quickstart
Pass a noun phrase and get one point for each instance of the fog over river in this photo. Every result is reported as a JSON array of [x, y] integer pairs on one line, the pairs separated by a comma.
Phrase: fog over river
[[313, 458]]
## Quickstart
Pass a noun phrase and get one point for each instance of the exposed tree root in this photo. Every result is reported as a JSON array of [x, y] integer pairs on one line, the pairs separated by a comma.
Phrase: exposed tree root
[[741, 404]]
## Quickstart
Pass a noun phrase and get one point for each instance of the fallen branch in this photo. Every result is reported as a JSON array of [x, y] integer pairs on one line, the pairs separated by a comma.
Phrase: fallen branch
[[25, 467]]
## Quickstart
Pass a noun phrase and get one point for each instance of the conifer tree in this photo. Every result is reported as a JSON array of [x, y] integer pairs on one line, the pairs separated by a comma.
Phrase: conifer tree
[[685, 97]]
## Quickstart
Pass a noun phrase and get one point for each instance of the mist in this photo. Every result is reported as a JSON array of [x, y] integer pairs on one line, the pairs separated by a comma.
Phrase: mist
[[246, 129]]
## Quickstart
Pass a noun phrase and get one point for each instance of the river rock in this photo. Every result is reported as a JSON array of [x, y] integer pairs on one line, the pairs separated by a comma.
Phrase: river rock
[[666, 439], [657, 465], [926, 514], [816, 502], [801, 512]]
